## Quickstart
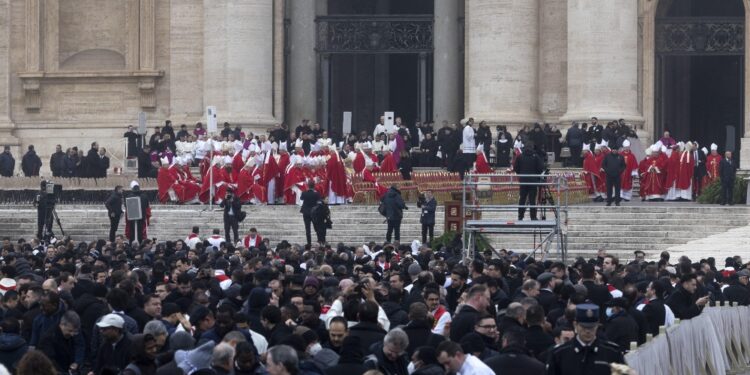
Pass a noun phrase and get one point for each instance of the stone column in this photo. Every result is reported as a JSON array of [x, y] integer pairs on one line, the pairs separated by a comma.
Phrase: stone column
[[603, 60], [302, 62], [186, 62], [6, 124], [553, 58], [502, 56], [238, 56], [446, 99]]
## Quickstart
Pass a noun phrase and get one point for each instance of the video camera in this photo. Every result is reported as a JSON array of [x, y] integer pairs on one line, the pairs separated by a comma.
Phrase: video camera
[[51, 188]]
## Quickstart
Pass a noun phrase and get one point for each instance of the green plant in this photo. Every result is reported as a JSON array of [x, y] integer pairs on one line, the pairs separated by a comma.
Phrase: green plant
[[447, 237], [712, 193]]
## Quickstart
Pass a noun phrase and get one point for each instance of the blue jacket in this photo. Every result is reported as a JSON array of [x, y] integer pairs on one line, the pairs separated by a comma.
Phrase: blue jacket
[[43, 323]]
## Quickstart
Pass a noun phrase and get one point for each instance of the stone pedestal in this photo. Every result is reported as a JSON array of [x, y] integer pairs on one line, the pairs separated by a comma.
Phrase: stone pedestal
[[446, 95], [302, 77], [603, 60], [501, 61], [238, 60]]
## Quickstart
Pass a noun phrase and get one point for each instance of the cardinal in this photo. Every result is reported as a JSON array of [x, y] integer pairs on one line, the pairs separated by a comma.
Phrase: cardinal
[[712, 165], [650, 171], [631, 170]]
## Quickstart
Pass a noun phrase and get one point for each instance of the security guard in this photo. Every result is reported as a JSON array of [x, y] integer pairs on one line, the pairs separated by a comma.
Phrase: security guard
[[586, 354]]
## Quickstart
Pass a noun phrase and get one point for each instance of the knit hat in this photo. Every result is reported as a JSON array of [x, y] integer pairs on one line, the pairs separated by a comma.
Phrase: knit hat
[[181, 340], [311, 281], [196, 359], [414, 269]]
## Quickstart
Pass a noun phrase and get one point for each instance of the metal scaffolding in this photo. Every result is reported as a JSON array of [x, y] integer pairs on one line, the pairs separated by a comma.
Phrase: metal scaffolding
[[488, 218]]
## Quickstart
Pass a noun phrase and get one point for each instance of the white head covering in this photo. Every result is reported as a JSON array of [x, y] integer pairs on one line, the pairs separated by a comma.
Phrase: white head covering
[[648, 151], [315, 147], [134, 183], [654, 148], [275, 146], [714, 147], [464, 121], [367, 145], [659, 144], [298, 143], [164, 161], [598, 146], [250, 162], [626, 143], [283, 146], [518, 144], [705, 151]]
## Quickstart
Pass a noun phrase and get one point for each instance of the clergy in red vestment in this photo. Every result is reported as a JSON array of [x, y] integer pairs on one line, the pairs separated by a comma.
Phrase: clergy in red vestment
[[337, 181], [282, 161], [684, 183], [481, 165], [249, 190], [270, 172], [591, 174], [294, 181], [367, 176], [712, 165], [215, 175], [673, 169], [631, 170], [388, 165]]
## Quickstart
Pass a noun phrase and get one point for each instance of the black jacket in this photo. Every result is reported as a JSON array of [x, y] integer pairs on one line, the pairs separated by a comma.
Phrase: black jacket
[[727, 170], [528, 163], [683, 304], [346, 369], [432, 369], [572, 358], [737, 293], [30, 164], [574, 137], [394, 204], [234, 205], [59, 349], [655, 313], [57, 163], [537, 341], [114, 203], [463, 322], [7, 164], [428, 212], [113, 356], [89, 308], [514, 360], [377, 361], [12, 348], [368, 333], [309, 199], [93, 162], [598, 294], [622, 330], [420, 334], [613, 164]]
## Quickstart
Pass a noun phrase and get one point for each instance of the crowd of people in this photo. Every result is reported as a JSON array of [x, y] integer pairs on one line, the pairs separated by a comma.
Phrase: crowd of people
[[206, 306], [671, 171], [71, 163]]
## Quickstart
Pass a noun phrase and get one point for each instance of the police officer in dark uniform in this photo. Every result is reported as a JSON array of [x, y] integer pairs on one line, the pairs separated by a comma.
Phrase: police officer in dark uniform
[[585, 354]]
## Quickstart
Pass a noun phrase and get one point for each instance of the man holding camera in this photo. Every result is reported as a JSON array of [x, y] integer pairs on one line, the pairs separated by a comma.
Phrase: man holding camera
[[114, 211], [44, 203], [232, 208], [528, 163]]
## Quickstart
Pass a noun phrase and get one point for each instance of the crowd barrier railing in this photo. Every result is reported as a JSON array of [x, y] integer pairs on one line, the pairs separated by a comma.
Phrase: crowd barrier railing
[[716, 342]]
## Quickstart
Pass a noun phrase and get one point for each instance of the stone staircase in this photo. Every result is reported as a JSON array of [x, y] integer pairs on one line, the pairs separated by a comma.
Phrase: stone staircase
[[649, 227]]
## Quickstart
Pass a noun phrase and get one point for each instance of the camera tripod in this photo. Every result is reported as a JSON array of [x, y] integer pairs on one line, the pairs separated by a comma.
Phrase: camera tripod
[[546, 198], [50, 219]]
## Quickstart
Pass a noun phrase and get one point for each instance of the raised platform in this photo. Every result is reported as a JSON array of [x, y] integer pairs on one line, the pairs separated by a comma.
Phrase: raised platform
[[651, 227]]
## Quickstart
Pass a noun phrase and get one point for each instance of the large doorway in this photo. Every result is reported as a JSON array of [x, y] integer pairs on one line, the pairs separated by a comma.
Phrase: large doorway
[[700, 71], [377, 57]]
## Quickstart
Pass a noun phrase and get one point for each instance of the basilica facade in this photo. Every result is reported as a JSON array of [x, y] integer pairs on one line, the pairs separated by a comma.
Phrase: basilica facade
[[77, 71]]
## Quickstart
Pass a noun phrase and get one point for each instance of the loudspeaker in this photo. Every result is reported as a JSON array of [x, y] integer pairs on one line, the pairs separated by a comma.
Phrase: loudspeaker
[[133, 208], [211, 120]]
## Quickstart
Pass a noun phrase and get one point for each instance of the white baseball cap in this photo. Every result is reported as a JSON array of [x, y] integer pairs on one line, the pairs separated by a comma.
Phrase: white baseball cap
[[111, 320]]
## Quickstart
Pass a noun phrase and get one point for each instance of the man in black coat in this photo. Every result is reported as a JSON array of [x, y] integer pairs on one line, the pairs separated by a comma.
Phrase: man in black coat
[[613, 165], [427, 218], [727, 171], [7, 162], [321, 219], [309, 199], [596, 293], [92, 161], [537, 341], [114, 211], [232, 208], [595, 131], [419, 329], [30, 163], [12, 345], [620, 327], [445, 140], [367, 330], [477, 301], [529, 163], [64, 344], [655, 309], [684, 301], [394, 212], [574, 140], [57, 162], [350, 359], [513, 358], [276, 329], [145, 168], [115, 351], [738, 291]]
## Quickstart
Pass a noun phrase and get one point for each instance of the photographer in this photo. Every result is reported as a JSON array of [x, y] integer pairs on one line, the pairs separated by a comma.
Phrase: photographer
[[428, 205], [232, 208], [44, 204], [528, 163], [114, 211]]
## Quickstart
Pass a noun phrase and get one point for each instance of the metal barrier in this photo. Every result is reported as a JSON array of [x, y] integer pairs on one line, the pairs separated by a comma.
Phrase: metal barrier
[[552, 196], [716, 342]]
